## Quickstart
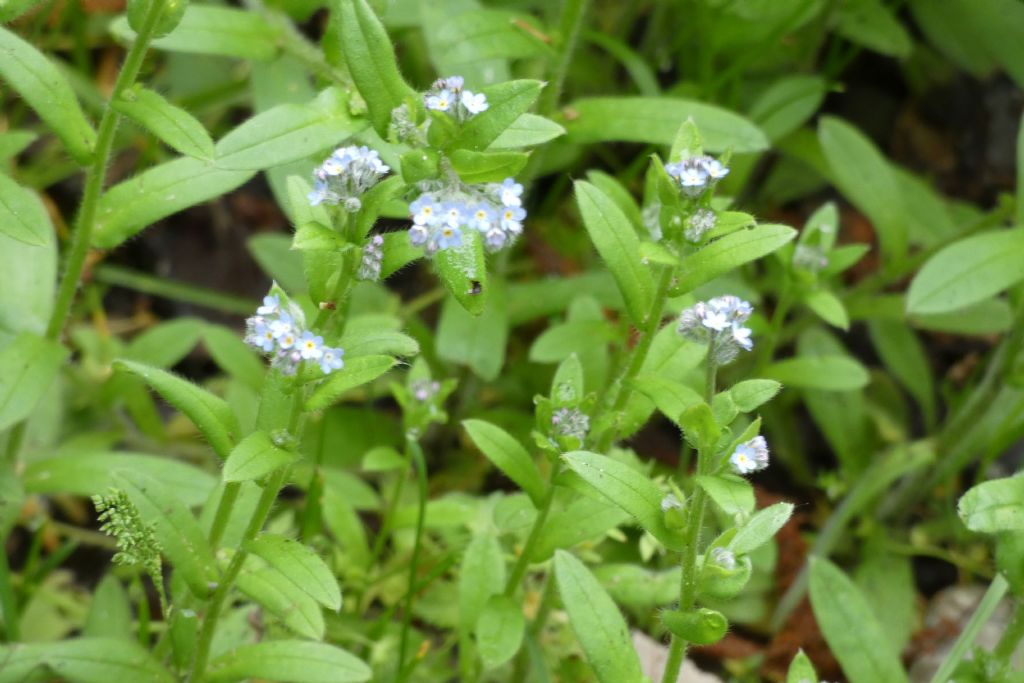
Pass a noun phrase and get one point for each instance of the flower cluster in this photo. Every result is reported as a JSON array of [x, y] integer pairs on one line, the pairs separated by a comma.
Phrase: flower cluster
[[750, 456], [495, 211], [345, 175], [136, 540], [808, 257], [449, 96], [424, 389], [571, 422], [719, 323], [701, 222], [373, 257], [696, 174], [280, 334]]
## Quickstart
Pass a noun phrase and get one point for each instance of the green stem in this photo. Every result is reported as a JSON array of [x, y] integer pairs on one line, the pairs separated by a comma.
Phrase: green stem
[[169, 289], [405, 668], [570, 24], [996, 590], [7, 600], [620, 392], [523, 561], [96, 174], [263, 507], [223, 514], [1014, 633], [691, 539]]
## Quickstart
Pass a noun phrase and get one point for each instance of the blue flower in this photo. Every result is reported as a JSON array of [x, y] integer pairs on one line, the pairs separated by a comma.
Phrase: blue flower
[[425, 210], [271, 305], [442, 101], [330, 360], [449, 237], [481, 217], [511, 219], [750, 456], [452, 214], [495, 239], [509, 192], [311, 346], [418, 235], [262, 337]]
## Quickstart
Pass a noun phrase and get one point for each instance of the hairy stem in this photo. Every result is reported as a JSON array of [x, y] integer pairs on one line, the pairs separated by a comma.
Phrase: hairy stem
[[573, 13], [405, 668], [523, 561]]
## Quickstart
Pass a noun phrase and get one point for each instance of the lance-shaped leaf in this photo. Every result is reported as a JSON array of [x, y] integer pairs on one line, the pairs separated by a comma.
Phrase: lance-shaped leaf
[[82, 660], [506, 102], [282, 598], [760, 528], [288, 661], [29, 72], [180, 537], [463, 272], [626, 488], [357, 372], [968, 271], [210, 414], [729, 252], [28, 366], [616, 240], [173, 125], [508, 455], [597, 623], [206, 30], [22, 216], [254, 457], [851, 629], [499, 631], [300, 565], [371, 61], [831, 373], [994, 506]]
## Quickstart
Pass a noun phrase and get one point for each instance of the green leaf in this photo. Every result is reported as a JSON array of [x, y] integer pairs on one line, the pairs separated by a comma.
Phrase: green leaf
[[180, 537], [369, 333], [159, 191], [288, 661], [508, 456], [616, 240], [906, 358], [655, 120], [27, 296], [865, 177], [12, 9], [170, 14], [463, 271], [28, 366], [994, 506], [477, 36], [850, 628], [486, 167], [209, 413], [499, 631], [355, 373], [597, 623], [873, 25], [255, 457], [300, 565], [110, 612], [760, 528], [701, 626], [968, 271], [22, 215], [831, 373], [671, 396], [274, 254], [481, 575], [528, 130], [991, 316], [223, 31], [282, 598], [476, 341], [165, 344], [751, 394], [583, 519], [506, 103], [731, 493], [371, 61], [561, 340], [787, 104], [828, 307], [729, 252], [173, 125], [615, 191], [88, 474], [38, 80], [627, 488], [288, 132], [83, 660], [233, 355], [801, 670]]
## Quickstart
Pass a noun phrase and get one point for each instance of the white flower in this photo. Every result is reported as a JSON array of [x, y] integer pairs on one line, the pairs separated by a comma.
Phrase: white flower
[[474, 102], [330, 360], [286, 339], [742, 461], [311, 346], [271, 305], [716, 320], [442, 101], [282, 326], [750, 456], [509, 193], [741, 335], [670, 502], [714, 168]]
